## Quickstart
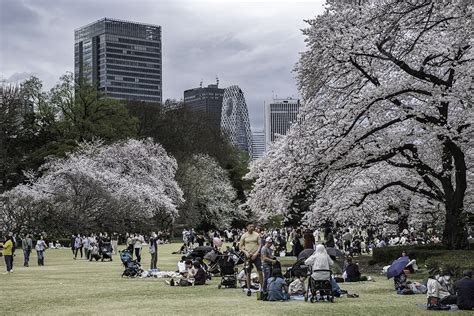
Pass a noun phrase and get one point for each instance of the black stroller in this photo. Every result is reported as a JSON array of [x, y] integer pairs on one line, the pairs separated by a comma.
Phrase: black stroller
[[132, 268], [298, 269], [213, 258], [323, 286], [227, 269], [106, 251]]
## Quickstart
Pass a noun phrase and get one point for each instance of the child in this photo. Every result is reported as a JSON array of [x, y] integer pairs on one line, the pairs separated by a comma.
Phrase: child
[[297, 287], [182, 266]]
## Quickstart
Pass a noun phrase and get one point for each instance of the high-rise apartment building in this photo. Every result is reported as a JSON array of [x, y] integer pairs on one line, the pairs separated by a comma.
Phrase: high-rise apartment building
[[280, 114], [258, 144], [123, 59], [235, 122], [206, 101]]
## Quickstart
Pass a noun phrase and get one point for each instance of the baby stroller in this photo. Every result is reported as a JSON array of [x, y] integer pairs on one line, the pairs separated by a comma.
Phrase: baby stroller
[[213, 258], [298, 269], [321, 285], [227, 269], [106, 251], [132, 268]]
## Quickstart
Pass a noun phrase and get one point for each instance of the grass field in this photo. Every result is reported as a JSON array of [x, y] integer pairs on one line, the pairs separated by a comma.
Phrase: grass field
[[65, 286]]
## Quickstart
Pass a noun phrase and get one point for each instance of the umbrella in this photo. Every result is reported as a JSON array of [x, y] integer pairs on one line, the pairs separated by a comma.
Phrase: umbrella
[[205, 249], [334, 252], [397, 267]]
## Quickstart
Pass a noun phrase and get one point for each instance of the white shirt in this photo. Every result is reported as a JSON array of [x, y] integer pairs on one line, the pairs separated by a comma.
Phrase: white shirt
[[138, 241]]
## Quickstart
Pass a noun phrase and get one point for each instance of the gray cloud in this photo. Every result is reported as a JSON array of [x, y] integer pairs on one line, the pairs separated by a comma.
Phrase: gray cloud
[[253, 44]]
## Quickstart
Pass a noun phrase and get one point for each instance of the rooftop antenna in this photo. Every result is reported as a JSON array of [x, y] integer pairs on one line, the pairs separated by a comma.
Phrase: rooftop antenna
[[217, 80]]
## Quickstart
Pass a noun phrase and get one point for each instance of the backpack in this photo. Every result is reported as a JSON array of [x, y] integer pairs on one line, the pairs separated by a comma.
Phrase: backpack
[[184, 282]]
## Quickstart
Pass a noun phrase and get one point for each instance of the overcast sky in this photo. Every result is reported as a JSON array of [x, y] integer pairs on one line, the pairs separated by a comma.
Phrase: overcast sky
[[254, 44]]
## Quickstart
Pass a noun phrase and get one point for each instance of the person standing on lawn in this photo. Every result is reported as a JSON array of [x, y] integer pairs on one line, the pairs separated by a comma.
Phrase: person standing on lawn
[[86, 243], [250, 246], [77, 245], [27, 246], [73, 241], [8, 254], [138, 244], [40, 248], [153, 248], [268, 260]]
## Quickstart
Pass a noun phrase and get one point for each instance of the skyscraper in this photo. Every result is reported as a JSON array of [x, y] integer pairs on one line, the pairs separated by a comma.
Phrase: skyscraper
[[123, 59], [258, 144], [206, 101], [235, 119], [280, 114]]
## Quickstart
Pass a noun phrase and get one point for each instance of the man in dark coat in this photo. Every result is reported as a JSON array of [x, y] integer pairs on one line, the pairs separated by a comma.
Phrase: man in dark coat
[[465, 291]]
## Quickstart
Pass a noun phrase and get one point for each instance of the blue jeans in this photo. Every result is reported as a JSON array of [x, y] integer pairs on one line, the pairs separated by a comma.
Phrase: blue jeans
[[26, 256], [9, 262], [335, 288], [267, 273], [40, 254]]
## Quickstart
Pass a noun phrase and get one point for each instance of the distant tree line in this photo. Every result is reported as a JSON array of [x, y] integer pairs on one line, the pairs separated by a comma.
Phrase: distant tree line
[[38, 129]]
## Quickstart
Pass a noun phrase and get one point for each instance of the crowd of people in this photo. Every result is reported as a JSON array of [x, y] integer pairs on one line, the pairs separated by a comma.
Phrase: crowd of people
[[320, 250], [27, 245]]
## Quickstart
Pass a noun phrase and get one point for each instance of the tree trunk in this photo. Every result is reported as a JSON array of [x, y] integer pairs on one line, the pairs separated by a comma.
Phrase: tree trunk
[[455, 233]]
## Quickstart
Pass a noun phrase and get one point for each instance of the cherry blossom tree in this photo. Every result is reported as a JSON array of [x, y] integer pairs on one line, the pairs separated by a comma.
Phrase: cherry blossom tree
[[100, 187], [210, 197], [387, 94]]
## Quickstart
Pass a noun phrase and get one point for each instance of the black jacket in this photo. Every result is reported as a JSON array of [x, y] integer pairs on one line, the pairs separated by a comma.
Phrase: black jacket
[[465, 293], [353, 274], [200, 277]]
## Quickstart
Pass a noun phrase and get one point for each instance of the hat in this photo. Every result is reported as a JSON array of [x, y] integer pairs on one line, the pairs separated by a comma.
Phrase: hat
[[447, 272], [269, 239], [433, 272]]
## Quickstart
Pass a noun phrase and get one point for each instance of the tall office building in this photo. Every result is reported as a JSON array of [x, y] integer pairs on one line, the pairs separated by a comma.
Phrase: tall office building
[[123, 59], [206, 101], [280, 114], [235, 119], [258, 144]]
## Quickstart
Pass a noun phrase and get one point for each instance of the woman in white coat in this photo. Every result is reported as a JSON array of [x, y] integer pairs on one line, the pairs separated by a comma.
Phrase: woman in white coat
[[319, 260]]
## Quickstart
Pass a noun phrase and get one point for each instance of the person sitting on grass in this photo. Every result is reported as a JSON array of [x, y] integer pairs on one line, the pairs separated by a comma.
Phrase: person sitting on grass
[[277, 290], [182, 265], [447, 294], [94, 252], [297, 287], [352, 273], [433, 287], [183, 250], [202, 264], [195, 276], [465, 291], [188, 264], [200, 275]]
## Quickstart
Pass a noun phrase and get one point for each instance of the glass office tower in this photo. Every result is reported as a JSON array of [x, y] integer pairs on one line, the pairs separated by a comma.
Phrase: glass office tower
[[207, 102], [123, 59], [235, 122], [280, 114]]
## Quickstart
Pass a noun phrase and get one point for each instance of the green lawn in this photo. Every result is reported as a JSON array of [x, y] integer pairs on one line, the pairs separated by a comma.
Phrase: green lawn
[[65, 286]]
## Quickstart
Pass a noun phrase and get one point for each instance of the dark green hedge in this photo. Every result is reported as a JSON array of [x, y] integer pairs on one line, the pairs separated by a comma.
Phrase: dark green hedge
[[386, 255], [455, 261]]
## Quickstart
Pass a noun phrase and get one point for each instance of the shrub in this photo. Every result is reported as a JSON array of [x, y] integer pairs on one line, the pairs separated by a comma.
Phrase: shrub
[[386, 255], [455, 261]]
